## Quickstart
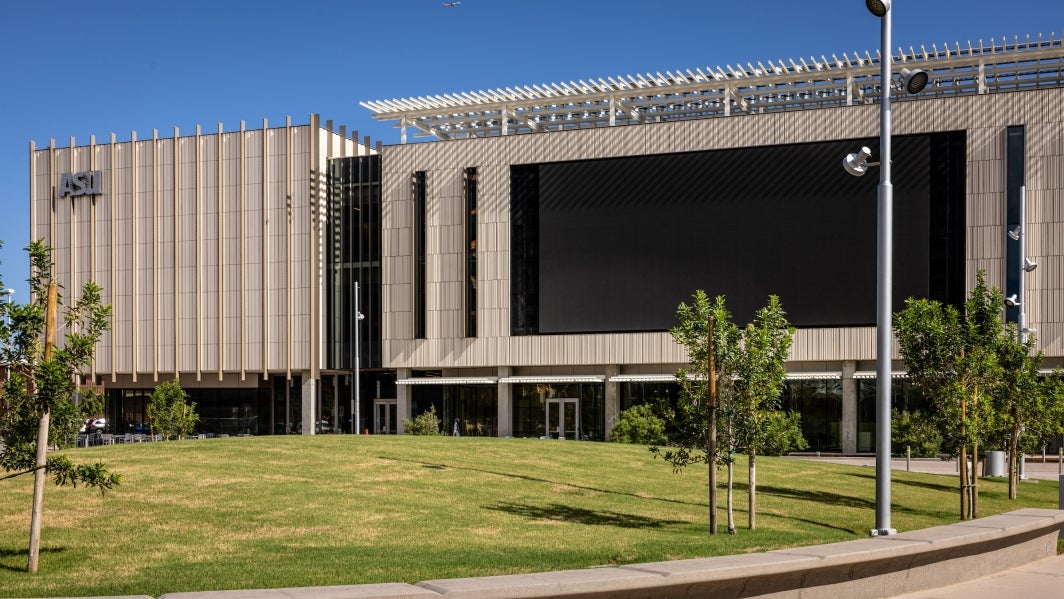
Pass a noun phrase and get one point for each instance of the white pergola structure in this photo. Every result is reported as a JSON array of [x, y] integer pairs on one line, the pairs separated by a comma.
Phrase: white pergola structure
[[723, 91]]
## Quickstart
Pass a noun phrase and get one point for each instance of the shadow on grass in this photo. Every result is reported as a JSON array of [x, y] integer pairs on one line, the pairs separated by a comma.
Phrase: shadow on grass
[[574, 515], [536, 480], [911, 483], [820, 497], [9, 554]]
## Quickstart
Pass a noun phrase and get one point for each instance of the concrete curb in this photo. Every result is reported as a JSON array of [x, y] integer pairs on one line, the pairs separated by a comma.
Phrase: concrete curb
[[885, 566]]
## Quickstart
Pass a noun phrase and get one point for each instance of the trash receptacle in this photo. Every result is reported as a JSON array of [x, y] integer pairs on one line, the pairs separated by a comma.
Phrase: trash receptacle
[[995, 463]]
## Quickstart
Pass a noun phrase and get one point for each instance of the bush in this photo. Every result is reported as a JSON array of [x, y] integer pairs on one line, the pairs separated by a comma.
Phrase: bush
[[782, 433], [168, 413], [425, 423], [638, 425], [915, 431]]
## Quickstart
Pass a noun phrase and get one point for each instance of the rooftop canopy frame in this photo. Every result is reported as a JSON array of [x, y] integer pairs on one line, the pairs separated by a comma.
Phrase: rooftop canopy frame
[[725, 91]]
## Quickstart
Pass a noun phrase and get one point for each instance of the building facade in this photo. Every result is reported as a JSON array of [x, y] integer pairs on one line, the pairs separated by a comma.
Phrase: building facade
[[519, 273]]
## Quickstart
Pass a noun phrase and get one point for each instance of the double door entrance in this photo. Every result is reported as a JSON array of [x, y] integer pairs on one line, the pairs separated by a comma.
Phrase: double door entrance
[[385, 416], [563, 418]]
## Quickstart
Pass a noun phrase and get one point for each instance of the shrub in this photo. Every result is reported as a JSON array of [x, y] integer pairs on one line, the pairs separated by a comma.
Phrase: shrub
[[425, 423], [915, 431], [782, 433], [168, 413], [638, 425]]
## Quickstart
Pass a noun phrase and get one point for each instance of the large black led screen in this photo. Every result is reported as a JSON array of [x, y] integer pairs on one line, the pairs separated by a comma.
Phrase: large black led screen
[[616, 244]]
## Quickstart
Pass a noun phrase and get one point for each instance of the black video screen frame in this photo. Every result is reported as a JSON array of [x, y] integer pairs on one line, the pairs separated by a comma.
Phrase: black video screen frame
[[615, 244]]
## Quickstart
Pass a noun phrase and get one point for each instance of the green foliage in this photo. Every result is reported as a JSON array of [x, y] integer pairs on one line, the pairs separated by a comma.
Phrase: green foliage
[[169, 413], [980, 377], [39, 385], [782, 433], [425, 423], [917, 431], [639, 425]]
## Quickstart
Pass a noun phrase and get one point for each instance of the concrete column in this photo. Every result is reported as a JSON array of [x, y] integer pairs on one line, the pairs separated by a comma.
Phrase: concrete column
[[309, 402], [404, 406], [505, 416], [613, 397], [849, 408]]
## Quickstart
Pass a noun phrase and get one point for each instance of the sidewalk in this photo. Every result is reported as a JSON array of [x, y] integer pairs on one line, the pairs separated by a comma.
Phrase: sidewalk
[[1044, 578], [1034, 468]]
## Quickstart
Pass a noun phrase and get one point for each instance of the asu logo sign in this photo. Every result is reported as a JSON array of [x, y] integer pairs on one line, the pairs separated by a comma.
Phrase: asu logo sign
[[80, 184]]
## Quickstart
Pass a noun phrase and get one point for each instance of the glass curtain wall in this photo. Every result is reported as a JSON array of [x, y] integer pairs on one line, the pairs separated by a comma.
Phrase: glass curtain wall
[[820, 404], [354, 255], [475, 407], [532, 401], [903, 397]]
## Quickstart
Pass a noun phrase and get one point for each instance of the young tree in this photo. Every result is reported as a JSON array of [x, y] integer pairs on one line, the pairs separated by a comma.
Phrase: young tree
[[38, 406], [757, 367], [168, 413], [1029, 409], [692, 420], [736, 374], [953, 359]]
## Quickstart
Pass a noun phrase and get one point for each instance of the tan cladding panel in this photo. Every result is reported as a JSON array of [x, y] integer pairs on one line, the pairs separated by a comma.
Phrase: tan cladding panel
[[201, 243], [985, 118]]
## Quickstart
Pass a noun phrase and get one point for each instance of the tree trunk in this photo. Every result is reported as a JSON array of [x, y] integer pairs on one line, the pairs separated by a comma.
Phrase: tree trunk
[[1014, 472], [731, 512], [753, 491], [42, 439], [962, 461], [38, 494], [975, 483], [712, 430]]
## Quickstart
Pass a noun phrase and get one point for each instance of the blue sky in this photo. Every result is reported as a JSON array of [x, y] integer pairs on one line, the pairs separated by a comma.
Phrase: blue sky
[[79, 68]]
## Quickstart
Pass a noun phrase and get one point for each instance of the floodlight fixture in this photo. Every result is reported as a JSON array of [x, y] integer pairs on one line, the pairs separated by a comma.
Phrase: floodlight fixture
[[914, 81], [1014, 233], [879, 8], [857, 163], [1012, 301], [1029, 265]]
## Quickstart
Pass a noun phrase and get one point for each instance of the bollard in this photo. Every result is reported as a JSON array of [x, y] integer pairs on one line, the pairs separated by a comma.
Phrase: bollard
[[1060, 461], [908, 459]]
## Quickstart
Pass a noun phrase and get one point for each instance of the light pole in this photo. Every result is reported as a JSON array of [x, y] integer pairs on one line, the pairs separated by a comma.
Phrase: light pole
[[1026, 265], [355, 412], [856, 164]]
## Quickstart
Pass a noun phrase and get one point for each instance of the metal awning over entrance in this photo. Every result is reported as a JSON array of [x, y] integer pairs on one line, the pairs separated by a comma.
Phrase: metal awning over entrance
[[558, 379], [450, 380]]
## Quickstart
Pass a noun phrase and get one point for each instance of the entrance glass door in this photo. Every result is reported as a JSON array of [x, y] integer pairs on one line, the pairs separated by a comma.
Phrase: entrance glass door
[[563, 418], [385, 416]]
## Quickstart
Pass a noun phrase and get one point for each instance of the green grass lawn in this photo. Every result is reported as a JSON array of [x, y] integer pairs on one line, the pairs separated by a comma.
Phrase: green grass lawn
[[327, 510]]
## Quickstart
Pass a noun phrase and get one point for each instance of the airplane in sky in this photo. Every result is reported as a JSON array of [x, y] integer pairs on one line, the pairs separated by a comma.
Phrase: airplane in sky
[[451, 4]]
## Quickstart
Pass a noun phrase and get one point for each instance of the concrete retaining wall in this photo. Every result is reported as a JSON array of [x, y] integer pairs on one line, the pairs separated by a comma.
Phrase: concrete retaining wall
[[865, 568]]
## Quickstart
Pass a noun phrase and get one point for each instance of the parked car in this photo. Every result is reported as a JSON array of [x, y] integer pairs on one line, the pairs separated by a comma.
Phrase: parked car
[[95, 425]]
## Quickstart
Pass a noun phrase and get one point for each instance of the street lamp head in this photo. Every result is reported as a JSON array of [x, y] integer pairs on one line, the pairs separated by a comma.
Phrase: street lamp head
[[9, 292], [1012, 301], [879, 8], [857, 163], [914, 80], [1014, 233], [1029, 265]]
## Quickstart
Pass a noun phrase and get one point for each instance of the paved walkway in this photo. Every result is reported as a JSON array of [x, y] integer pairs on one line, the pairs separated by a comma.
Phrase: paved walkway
[[1037, 580], [1034, 468]]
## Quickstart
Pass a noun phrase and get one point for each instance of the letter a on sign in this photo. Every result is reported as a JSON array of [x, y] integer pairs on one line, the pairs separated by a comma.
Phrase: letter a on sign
[[80, 184]]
